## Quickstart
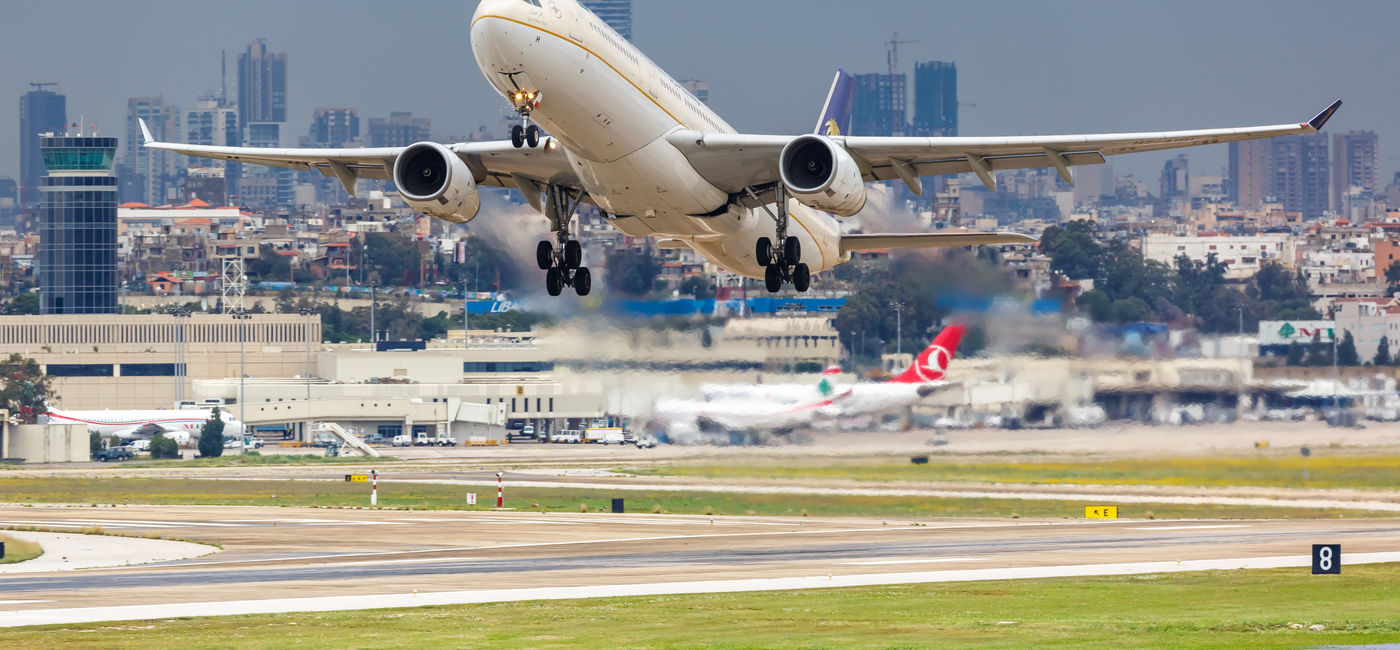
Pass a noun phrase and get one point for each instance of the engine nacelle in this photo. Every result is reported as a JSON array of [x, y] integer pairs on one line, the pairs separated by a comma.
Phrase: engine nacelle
[[436, 182], [820, 174]]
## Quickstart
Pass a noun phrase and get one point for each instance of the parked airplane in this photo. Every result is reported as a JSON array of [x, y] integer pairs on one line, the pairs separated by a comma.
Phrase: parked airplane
[[760, 408], [625, 136], [183, 425]]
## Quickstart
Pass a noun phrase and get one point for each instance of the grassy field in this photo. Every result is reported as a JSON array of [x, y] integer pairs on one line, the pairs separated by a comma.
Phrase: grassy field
[[1323, 471], [437, 497], [1220, 609], [254, 459], [18, 550]]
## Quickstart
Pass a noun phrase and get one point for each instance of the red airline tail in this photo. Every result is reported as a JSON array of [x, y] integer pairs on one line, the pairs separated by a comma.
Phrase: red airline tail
[[932, 363]]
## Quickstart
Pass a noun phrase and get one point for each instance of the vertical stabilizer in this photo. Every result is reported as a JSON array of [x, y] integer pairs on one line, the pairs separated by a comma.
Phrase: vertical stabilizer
[[836, 113], [932, 363]]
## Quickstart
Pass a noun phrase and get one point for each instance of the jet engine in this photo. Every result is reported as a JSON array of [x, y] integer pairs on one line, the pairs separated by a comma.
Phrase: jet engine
[[820, 174], [436, 182]]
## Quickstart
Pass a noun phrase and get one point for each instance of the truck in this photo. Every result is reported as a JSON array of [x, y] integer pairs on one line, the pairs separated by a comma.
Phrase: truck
[[113, 453], [605, 435]]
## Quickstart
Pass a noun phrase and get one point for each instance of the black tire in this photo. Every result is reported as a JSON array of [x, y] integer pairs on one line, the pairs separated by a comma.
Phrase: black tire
[[763, 251], [544, 255], [801, 278], [532, 136], [583, 281], [554, 281], [792, 250], [517, 136], [573, 254], [773, 279]]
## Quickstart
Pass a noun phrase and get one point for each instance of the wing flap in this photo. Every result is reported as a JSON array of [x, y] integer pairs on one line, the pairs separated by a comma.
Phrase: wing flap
[[882, 241]]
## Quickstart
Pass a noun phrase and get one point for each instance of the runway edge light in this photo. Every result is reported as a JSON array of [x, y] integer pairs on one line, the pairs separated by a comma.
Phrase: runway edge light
[[1100, 512]]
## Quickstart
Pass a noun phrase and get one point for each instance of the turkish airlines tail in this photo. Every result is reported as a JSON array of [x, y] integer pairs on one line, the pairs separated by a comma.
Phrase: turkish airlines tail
[[932, 363]]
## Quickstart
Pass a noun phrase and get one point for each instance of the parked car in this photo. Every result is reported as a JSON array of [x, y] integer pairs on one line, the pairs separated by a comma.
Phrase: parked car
[[614, 437], [139, 445], [113, 453], [565, 436], [403, 440], [646, 442], [376, 439]]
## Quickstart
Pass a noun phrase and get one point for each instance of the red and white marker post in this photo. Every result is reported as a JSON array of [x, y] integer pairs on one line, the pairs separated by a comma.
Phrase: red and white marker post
[[500, 491], [373, 488]]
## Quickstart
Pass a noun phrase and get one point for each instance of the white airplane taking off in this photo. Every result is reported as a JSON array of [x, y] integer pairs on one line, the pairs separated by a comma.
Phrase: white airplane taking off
[[183, 426], [622, 134]]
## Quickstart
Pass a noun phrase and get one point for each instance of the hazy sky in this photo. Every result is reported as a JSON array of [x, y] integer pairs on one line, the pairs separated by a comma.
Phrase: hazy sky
[[1023, 67]]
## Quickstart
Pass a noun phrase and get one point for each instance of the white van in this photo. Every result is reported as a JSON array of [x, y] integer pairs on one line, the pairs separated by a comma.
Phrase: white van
[[403, 440], [613, 437]]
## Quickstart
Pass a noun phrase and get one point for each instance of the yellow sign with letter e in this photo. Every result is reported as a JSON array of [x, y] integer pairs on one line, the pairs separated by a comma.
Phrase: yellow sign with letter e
[[1100, 512], [356, 478]]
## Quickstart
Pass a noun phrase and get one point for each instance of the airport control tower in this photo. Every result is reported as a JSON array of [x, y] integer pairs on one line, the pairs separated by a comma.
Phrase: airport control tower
[[78, 225]]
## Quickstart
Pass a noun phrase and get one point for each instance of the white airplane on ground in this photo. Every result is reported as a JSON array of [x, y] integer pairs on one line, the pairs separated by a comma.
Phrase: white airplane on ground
[[759, 408], [183, 426], [625, 136]]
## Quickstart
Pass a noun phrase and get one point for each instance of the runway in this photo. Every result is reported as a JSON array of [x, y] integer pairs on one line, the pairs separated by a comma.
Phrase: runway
[[308, 559]]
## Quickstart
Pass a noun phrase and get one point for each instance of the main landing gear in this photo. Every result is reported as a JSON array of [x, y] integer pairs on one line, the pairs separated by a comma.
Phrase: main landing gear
[[525, 102], [781, 263], [562, 264]]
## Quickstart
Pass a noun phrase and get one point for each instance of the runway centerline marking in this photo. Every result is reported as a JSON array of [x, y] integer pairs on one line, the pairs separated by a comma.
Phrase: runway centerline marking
[[1192, 527]]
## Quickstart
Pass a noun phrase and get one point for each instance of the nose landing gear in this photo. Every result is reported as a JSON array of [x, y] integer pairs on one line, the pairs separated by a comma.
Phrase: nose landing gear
[[562, 264], [525, 102], [782, 263]]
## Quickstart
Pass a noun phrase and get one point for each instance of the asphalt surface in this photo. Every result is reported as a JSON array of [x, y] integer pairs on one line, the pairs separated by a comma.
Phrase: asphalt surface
[[308, 554]]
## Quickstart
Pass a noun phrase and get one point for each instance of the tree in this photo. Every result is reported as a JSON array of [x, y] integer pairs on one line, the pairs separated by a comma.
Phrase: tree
[[1318, 353], [94, 443], [1295, 354], [1392, 279], [163, 447], [211, 435], [270, 265], [26, 390], [24, 303], [1346, 352], [631, 272], [1073, 249], [1382, 357]]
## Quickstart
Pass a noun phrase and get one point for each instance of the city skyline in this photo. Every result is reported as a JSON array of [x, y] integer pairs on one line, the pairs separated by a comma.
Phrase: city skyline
[[1119, 82]]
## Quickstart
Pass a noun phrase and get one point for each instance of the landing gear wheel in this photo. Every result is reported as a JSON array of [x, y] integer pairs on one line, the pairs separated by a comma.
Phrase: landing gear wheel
[[583, 281], [554, 281], [763, 251], [801, 277], [544, 255], [573, 254], [532, 136], [792, 251], [517, 136], [773, 278]]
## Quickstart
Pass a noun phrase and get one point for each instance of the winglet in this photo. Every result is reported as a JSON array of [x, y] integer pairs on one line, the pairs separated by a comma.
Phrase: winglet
[[145, 132], [1317, 122]]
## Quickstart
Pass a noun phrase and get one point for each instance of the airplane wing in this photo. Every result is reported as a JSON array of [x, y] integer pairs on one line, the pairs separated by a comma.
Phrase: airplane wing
[[734, 162], [496, 163]]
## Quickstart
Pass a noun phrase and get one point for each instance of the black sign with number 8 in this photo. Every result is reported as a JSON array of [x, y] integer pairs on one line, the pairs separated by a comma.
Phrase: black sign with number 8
[[1327, 558]]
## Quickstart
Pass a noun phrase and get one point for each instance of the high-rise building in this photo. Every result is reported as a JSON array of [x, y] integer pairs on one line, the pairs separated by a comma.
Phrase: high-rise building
[[701, 89], [616, 13], [212, 122], [78, 226], [400, 130], [40, 111], [1353, 165], [334, 127], [1300, 173], [1176, 179], [1251, 173], [879, 106], [262, 85], [260, 186], [155, 173], [935, 99]]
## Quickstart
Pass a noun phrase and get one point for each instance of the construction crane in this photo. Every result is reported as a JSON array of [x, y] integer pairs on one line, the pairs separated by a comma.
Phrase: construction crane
[[897, 101]]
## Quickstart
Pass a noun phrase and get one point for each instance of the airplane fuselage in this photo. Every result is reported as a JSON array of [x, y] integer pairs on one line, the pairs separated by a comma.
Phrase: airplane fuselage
[[610, 108], [183, 425]]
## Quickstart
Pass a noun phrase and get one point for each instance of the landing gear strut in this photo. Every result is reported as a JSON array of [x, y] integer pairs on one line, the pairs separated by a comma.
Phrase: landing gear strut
[[525, 102], [562, 264], [783, 262]]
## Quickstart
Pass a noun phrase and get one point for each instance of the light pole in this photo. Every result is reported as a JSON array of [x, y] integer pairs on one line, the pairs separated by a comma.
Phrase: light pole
[[898, 328], [853, 350], [241, 314], [304, 311], [373, 333]]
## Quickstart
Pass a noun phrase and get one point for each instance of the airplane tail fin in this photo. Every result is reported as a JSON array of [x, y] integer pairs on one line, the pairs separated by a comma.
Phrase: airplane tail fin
[[836, 113], [932, 363]]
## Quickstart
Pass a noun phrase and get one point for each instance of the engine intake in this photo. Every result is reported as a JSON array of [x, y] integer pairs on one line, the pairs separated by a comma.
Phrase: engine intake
[[436, 182], [820, 174]]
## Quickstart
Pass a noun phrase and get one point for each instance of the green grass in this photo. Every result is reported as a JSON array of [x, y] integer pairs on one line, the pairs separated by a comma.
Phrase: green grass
[[1216, 609], [256, 459], [162, 491], [1381, 472], [19, 550]]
